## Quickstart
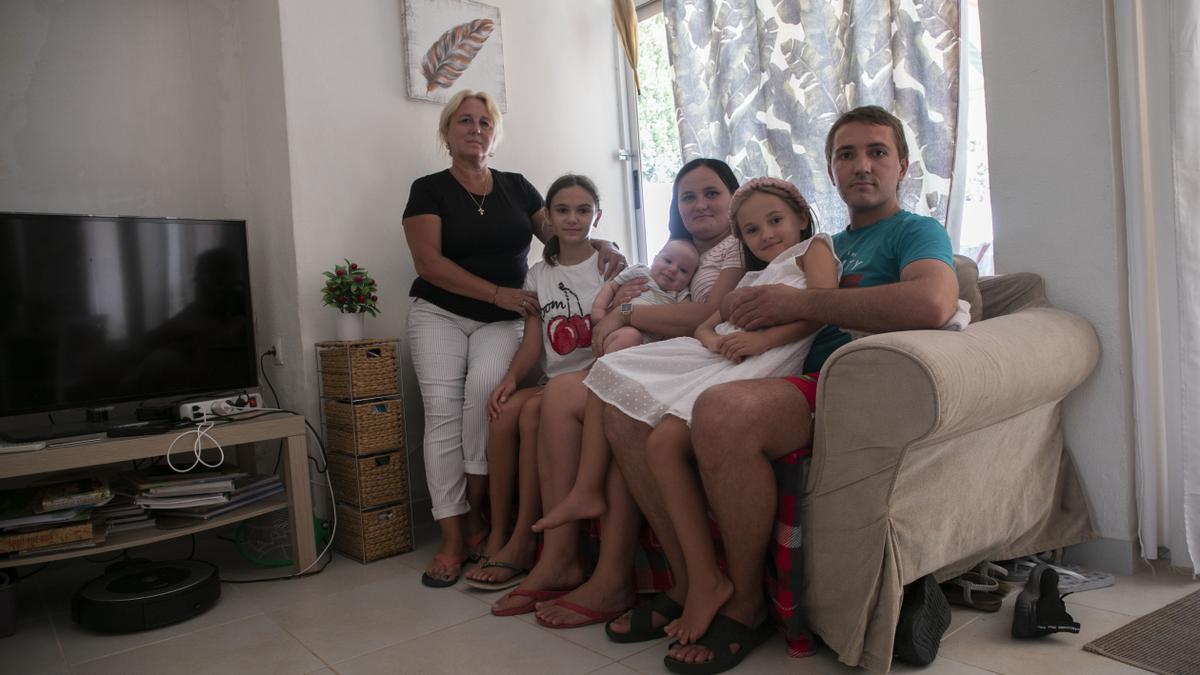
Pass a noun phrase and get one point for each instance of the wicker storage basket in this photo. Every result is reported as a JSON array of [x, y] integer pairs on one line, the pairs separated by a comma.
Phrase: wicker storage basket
[[367, 482], [364, 427], [358, 368], [371, 535]]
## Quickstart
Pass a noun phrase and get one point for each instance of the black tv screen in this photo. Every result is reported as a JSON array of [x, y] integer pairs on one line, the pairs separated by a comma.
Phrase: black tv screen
[[98, 309]]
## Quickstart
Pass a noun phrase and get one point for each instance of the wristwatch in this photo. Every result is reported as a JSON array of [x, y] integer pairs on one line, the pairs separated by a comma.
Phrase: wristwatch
[[626, 313]]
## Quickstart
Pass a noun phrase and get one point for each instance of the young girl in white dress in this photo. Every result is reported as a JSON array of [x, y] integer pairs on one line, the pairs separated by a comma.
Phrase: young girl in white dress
[[559, 337], [658, 383]]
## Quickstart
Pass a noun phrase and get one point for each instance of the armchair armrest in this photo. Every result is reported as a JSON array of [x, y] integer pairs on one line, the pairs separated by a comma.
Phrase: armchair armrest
[[881, 393]]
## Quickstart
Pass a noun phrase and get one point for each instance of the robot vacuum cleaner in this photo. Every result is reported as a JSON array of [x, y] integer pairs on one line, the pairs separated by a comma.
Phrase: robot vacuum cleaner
[[146, 595]]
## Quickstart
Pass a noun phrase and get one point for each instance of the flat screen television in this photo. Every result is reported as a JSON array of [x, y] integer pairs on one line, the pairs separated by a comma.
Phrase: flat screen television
[[96, 310]]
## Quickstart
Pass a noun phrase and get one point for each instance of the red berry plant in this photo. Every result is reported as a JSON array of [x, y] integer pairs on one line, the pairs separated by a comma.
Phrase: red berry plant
[[351, 289]]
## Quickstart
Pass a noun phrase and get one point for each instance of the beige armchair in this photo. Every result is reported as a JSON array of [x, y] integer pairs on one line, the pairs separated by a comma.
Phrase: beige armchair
[[935, 450]]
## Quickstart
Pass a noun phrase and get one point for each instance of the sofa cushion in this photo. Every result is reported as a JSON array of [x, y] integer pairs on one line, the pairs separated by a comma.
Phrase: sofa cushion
[[968, 285]]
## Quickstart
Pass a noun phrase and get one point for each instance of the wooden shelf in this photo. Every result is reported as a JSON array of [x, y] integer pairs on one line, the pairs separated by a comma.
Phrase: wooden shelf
[[296, 498], [122, 540]]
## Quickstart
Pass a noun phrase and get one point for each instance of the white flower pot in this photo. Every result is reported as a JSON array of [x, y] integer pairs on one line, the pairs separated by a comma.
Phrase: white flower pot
[[349, 326]]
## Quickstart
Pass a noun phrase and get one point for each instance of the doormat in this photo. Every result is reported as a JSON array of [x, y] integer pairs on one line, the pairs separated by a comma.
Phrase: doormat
[[1165, 641]]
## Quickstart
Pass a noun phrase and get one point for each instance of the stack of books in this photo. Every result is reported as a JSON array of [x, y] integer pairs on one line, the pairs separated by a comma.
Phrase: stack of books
[[201, 495], [55, 517], [123, 515]]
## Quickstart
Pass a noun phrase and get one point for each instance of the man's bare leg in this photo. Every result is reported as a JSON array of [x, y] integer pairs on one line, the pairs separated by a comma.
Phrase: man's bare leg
[[512, 449], [668, 452], [738, 428], [586, 498], [627, 437]]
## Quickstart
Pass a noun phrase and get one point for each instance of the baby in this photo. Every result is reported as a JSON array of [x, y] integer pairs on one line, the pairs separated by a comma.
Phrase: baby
[[668, 277]]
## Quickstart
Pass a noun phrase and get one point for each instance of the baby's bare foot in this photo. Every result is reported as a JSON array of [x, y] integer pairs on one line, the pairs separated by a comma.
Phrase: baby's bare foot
[[704, 598], [577, 505]]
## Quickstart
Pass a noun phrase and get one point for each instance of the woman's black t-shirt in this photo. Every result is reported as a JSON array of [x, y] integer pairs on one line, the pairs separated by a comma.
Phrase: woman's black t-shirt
[[493, 246]]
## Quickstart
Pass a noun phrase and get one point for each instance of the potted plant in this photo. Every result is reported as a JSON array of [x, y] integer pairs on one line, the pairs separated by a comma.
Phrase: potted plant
[[352, 291]]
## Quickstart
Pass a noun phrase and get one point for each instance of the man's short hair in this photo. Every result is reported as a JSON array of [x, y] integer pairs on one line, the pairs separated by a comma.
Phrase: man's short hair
[[869, 114]]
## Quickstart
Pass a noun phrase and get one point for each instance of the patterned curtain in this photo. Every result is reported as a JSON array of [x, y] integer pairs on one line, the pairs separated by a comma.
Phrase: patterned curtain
[[759, 84]]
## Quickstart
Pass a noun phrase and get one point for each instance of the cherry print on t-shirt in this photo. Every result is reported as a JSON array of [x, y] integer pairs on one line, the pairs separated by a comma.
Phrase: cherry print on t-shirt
[[568, 333]]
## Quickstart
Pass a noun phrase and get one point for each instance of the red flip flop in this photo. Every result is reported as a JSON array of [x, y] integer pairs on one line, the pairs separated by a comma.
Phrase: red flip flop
[[534, 598], [592, 616]]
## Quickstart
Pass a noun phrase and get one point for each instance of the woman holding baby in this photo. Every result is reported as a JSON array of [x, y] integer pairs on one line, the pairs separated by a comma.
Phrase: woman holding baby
[[558, 587]]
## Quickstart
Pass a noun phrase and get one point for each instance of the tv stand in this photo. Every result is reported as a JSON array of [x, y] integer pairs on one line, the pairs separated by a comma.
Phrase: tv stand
[[297, 498]]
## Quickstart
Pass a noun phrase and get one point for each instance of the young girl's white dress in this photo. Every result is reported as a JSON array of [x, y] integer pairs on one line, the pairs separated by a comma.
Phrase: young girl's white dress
[[662, 378]]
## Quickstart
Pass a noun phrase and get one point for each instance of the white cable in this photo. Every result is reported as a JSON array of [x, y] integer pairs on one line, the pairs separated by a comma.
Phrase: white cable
[[238, 410], [201, 432]]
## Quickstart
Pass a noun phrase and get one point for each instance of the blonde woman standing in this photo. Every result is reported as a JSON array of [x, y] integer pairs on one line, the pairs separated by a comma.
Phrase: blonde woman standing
[[468, 229]]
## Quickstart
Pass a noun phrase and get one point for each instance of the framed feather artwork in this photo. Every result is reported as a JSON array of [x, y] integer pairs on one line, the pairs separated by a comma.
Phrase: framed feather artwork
[[453, 45]]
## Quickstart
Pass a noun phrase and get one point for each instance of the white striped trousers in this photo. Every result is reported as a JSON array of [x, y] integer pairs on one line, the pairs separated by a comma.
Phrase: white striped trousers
[[458, 363]]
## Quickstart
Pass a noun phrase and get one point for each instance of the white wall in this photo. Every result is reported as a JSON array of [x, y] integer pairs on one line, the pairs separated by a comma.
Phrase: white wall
[[357, 142], [1057, 207], [121, 107]]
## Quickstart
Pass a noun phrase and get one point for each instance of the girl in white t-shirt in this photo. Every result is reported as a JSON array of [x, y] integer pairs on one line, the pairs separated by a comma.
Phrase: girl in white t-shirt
[[559, 337]]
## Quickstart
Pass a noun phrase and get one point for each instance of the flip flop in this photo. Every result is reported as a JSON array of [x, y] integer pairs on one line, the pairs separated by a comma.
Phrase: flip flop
[[519, 574], [591, 616], [722, 633], [641, 620], [534, 598], [449, 561]]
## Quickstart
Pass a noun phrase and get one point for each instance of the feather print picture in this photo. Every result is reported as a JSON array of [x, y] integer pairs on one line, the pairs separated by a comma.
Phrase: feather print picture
[[452, 45], [452, 53]]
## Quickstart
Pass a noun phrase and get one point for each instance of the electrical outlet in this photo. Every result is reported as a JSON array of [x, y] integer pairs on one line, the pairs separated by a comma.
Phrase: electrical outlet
[[277, 345]]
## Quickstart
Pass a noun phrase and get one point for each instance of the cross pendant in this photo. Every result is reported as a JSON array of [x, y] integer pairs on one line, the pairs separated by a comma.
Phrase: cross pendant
[[481, 210]]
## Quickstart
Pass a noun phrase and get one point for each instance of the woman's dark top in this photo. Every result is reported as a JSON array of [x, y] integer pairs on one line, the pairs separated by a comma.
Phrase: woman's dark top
[[493, 246]]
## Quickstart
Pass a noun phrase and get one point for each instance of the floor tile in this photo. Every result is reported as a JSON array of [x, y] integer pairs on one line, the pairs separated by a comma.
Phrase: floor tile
[[487, 644], [615, 669], [988, 643], [372, 616], [1139, 594], [33, 648], [772, 657], [255, 645], [594, 638]]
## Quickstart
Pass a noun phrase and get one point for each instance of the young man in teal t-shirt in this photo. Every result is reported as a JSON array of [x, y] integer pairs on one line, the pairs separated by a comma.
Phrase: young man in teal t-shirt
[[897, 275]]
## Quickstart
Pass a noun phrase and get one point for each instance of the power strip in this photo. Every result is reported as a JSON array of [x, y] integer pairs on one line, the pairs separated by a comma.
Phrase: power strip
[[198, 410]]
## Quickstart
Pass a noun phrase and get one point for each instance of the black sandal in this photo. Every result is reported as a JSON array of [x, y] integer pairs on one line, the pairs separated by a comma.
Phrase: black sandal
[[722, 634], [641, 620]]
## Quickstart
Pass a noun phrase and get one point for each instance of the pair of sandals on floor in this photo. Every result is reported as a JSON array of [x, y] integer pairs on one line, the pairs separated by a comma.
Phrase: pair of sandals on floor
[[984, 588]]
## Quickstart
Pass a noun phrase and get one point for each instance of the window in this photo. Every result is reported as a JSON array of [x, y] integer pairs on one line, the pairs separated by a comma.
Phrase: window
[[658, 158]]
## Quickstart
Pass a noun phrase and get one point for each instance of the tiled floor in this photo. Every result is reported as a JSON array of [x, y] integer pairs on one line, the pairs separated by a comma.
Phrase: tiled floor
[[378, 618]]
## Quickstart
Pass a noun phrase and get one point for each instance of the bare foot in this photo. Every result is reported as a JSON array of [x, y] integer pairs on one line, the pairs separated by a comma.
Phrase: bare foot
[[577, 505], [704, 598]]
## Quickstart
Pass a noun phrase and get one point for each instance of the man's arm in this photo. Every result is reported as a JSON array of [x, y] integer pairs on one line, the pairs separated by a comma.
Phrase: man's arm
[[925, 297]]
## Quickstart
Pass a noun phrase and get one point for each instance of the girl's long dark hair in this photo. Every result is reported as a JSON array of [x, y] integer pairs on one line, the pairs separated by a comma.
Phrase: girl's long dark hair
[[674, 219], [550, 251]]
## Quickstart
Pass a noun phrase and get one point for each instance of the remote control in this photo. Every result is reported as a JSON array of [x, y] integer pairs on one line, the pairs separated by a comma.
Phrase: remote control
[[21, 447]]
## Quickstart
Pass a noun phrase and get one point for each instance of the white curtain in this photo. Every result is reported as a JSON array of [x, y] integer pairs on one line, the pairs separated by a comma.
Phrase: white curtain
[[758, 84], [1159, 97]]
